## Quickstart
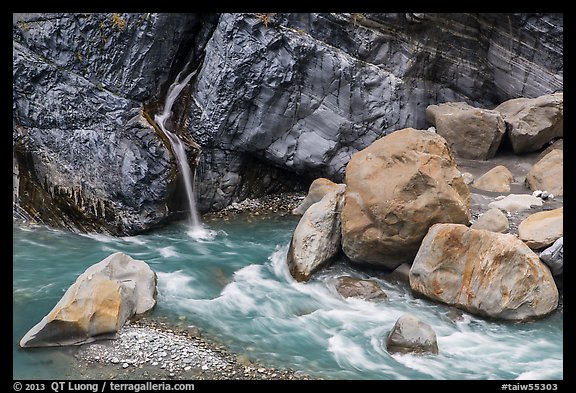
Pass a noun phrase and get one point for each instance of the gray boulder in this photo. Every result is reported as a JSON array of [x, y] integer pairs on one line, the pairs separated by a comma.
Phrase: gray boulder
[[471, 132], [98, 304], [364, 289], [533, 122], [411, 335], [492, 220], [316, 192], [553, 256], [317, 237]]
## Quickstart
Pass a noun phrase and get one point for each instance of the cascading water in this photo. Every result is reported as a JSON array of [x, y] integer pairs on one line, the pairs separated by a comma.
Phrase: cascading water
[[196, 230]]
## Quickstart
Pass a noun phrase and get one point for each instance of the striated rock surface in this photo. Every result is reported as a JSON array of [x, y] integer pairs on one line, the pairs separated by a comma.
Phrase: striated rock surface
[[397, 188], [548, 173], [88, 158], [493, 220], [304, 92], [317, 237], [278, 100], [472, 133], [483, 272], [411, 335], [541, 229], [533, 122], [316, 192], [497, 179], [98, 304], [364, 289]]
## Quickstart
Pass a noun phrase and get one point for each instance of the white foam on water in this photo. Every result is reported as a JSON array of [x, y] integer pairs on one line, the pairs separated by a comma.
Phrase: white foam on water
[[167, 252], [133, 239], [100, 237], [176, 284], [201, 234]]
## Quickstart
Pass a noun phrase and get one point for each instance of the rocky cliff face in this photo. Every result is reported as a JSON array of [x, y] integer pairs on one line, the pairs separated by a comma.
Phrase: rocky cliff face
[[279, 99], [87, 157], [304, 92]]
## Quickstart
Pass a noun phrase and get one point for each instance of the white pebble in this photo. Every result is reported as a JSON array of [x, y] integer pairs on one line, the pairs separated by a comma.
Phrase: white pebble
[[125, 365], [187, 368], [205, 367], [537, 193]]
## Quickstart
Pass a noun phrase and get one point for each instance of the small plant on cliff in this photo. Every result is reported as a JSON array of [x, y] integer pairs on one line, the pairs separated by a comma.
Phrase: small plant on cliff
[[118, 22], [265, 18]]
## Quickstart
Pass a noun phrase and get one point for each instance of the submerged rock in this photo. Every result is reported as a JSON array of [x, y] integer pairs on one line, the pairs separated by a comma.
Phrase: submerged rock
[[396, 189], [482, 272], [533, 122], [471, 132], [411, 335], [541, 229], [364, 289], [317, 237], [98, 304], [548, 173], [497, 179]]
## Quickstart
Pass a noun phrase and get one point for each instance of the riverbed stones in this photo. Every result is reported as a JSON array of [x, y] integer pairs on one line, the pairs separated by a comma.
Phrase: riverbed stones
[[317, 190], [359, 288], [396, 189], [542, 229], [482, 272], [514, 203], [553, 256], [317, 237], [497, 179], [533, 122], [493, 220], [411, 335], [98, 304], [472, 133], [548, 173]]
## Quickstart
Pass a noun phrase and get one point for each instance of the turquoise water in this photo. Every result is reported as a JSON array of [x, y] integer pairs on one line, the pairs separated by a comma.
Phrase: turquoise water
[[237, 289]]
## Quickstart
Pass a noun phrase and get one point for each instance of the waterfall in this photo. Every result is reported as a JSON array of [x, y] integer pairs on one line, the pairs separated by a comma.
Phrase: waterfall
[[196, 228]]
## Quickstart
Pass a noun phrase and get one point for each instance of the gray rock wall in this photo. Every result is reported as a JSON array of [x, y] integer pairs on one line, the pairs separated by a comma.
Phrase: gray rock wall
[[279, 99], [304, 92]]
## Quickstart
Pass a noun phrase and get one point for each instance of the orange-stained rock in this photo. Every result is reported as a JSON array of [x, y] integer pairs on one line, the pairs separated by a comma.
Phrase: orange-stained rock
[[542, 229], [98, 304], [397, 188], [483, 272]]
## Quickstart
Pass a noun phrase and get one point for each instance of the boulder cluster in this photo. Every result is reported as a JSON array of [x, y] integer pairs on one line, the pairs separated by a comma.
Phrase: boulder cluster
[[405, 205]]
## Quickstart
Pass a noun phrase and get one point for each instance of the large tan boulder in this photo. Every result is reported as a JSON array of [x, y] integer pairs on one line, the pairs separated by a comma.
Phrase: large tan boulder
[[98, 304], [397, 188], [483, 272], [471, 132], [316, 191], [533, 122], [497, 179], [542, 229], [316, 239], [548, 173]]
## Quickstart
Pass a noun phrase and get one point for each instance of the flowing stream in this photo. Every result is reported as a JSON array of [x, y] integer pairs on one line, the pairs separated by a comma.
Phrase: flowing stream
[[237, 289]]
